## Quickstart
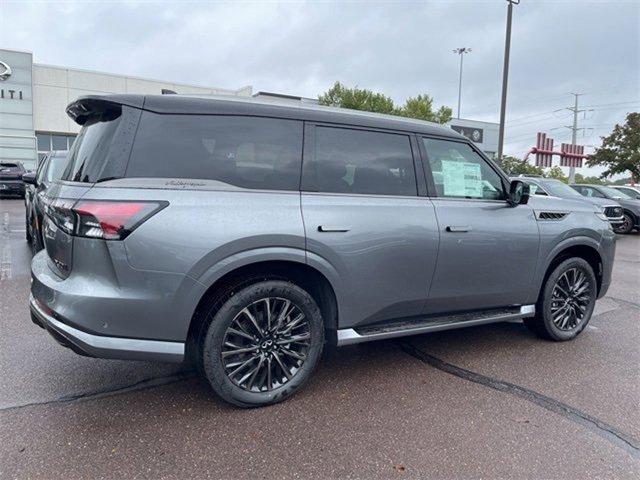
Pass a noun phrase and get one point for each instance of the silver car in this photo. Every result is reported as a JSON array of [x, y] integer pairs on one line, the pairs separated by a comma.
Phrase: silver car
[[555, 188], [244, 236]]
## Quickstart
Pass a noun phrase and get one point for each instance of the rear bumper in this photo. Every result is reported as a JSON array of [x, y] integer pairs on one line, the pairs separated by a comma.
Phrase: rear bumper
[[11, 187], [104, 347]]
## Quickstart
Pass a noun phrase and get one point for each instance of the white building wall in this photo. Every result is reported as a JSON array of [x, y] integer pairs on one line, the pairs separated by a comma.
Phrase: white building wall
[[489, 143], [56, 87]]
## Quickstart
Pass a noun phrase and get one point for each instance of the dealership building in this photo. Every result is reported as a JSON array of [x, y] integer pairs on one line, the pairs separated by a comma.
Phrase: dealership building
[[33, 98]]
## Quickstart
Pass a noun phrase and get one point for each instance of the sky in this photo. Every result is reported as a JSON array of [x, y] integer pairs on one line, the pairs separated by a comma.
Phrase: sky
[[400, 48]]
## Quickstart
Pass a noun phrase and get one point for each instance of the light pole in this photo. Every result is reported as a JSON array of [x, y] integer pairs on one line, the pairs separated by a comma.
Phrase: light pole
[[505, 77], [460, 51]]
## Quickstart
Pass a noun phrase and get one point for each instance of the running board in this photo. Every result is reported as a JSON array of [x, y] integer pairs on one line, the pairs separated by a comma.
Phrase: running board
[[349, 336]]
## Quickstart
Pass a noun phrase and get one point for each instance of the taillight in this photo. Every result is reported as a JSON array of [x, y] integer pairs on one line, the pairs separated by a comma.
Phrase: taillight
[[108, 220], [112, 220]]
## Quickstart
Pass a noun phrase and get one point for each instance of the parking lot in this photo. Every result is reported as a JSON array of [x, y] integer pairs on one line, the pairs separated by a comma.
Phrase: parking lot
[[490, 401]]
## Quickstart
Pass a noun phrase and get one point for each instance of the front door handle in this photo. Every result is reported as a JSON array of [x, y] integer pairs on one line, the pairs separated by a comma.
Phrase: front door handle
[[333, 228], [454, 228]]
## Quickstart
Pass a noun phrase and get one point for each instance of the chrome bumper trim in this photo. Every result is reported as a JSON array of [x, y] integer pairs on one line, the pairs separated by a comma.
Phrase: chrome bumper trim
[[110, 347], [348, 336]]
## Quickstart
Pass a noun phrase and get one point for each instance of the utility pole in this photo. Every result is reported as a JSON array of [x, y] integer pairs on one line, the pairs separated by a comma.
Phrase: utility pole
[[574, 130], [505, 78], [460, 51]]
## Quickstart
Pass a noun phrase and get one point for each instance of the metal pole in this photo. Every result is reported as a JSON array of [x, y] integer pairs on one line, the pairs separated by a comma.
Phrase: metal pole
[[505, 78], [460, 84], [574, 135]]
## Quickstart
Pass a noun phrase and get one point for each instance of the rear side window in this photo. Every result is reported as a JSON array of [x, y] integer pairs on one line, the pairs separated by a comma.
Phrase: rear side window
[[361, 162], [248, 152]]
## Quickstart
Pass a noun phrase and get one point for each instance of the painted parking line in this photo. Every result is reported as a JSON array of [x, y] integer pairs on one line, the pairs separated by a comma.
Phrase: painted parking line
[[5, 250]]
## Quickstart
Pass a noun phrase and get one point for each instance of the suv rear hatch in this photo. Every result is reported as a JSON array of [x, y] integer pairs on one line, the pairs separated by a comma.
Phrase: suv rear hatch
[[100, 153]]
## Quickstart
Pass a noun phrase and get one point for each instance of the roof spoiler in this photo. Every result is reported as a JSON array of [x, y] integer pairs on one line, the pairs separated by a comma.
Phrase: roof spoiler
[[105, 107]]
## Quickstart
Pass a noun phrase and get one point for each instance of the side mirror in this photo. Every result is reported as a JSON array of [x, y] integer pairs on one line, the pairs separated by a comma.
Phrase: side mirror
[[29, 178], [518, 193]]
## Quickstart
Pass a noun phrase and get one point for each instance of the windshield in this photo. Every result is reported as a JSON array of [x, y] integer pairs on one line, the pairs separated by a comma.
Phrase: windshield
[[613, 193], [559, 189], [56, 167]]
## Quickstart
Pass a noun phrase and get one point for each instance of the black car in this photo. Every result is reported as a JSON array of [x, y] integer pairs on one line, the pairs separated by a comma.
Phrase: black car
[[11, 178], [50, 169]]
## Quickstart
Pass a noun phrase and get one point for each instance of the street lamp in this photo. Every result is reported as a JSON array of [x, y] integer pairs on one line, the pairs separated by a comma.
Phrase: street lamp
[[460, 51], [505, 76]]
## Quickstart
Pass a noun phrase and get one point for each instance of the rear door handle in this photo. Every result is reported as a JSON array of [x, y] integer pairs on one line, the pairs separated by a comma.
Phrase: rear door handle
[[454, 228], [332, 228]]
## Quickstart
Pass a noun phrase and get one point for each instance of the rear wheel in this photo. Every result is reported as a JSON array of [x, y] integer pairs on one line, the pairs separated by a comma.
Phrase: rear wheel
[[263, 343], [627, 224], [566, 302]]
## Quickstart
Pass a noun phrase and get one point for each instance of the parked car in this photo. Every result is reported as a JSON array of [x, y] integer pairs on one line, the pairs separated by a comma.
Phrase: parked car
[[245, 235], [11, 178], [36, 184], [556, 188], [633, 192], [630, 206]]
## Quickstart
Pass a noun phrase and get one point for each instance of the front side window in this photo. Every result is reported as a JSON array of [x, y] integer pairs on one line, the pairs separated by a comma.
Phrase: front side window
[[535, 189], [591, 192], [459, 172], [361, 162], [247, 152]]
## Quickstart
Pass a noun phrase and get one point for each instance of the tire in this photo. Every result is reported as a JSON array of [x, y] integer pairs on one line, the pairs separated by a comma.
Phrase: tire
[[571, 317], [272, 366], [627, 224], [27, 230]]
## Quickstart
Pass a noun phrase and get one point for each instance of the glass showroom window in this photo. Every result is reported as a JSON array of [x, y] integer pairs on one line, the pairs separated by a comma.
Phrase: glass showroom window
[[53, 141]]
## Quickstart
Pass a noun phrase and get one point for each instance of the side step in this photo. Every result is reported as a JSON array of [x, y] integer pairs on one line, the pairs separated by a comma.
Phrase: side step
[[349, 336]]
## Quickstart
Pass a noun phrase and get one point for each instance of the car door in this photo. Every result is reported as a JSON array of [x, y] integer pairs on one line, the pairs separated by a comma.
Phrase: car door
[[365, 220], [488, 249]]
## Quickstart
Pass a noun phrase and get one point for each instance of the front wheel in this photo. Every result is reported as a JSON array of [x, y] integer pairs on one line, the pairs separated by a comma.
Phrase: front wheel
[[566, 303], [263, 343], [626, 226]]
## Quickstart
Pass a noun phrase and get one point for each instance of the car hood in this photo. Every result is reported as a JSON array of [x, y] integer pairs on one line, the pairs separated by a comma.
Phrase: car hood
[[602, 202], [540, 202], [631, 204]]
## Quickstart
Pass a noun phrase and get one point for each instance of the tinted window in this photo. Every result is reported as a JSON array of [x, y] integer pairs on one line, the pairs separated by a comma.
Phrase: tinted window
[[89, 153], [359, 161], [248, 152], [55, 167], [458, 171], [591, 192]]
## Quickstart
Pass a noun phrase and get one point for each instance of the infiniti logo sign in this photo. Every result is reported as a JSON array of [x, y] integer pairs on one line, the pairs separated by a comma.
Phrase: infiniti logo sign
[[5, 71]]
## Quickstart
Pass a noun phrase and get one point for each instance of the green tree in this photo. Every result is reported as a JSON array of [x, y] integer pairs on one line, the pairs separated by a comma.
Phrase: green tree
[[420, 107], [556, 173], [514, 167], [590, 180], [620, 151], [356, 99]]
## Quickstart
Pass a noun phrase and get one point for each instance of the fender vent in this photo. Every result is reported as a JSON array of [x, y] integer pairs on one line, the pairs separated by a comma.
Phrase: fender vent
[[551, 215]]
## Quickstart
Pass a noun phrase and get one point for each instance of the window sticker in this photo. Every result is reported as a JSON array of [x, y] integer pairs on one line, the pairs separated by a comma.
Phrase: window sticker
[[461, 179]]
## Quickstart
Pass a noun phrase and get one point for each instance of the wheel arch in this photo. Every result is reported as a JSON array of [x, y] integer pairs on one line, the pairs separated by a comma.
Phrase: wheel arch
[[237, 275], [586, 249]]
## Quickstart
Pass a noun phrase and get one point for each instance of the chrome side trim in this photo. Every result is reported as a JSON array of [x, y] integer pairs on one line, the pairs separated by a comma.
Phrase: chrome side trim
[[348, 336], [111, 347]]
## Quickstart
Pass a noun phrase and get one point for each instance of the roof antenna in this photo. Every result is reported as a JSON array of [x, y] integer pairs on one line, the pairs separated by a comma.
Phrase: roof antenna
[[166, 91]]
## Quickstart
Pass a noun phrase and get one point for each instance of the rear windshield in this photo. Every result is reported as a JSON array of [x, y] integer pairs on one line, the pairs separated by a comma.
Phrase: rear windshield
[[103, 145], [10, 167], [89, 152], [55, 168], [248, 152]]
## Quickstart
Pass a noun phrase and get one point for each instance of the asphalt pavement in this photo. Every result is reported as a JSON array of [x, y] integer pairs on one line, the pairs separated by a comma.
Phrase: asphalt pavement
[[484, 402]]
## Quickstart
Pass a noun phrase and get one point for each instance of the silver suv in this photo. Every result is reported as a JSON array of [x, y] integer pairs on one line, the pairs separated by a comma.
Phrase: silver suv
[[243, 236]]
